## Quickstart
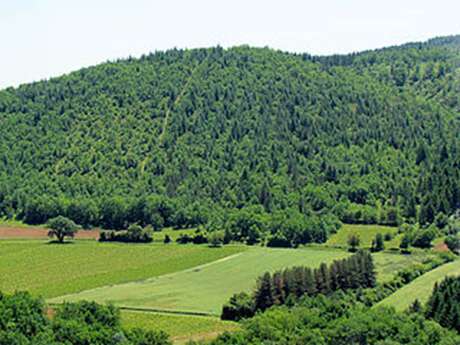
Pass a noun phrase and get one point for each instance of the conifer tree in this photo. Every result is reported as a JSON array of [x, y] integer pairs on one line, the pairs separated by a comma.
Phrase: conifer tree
[[264, 293]]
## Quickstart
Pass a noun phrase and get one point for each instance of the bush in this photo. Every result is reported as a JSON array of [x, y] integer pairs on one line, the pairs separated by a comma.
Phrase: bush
[[216, 238], [240, 306], [134, 234], [424, 237], [279, 240], [167, 239]]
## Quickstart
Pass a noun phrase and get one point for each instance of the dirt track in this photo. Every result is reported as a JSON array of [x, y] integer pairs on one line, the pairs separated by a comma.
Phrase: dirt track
[[39, 233]]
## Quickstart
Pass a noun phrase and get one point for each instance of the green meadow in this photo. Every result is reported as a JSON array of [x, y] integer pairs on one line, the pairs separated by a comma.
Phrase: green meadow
[[205, 288], [181, 328], [51, 270], [421, 287], [366, 234]]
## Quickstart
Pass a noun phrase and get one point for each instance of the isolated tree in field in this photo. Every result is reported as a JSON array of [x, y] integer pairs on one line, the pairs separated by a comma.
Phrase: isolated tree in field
[[62, 227], [378, 244], [405, 243], [167, 239], [353, 242]]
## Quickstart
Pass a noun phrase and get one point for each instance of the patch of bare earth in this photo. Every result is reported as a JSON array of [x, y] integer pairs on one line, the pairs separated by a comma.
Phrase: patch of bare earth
[[441, 247], [40, 233]]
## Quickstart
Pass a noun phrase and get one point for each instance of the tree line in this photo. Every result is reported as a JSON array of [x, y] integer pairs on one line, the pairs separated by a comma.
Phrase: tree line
[[278, 288], [443, 305]]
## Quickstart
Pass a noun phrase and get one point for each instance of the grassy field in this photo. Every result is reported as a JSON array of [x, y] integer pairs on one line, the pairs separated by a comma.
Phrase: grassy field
[[52, 270], [421, 287], [387, 264], [366, 234], [181, 328], [159, 236], [205, 288]]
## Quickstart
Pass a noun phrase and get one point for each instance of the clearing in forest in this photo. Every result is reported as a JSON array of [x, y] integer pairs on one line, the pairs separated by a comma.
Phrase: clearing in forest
[[421, 288], [366, 234]]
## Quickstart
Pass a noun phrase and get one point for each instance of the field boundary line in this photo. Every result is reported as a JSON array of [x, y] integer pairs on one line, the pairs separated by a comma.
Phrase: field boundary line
[[168, 311]]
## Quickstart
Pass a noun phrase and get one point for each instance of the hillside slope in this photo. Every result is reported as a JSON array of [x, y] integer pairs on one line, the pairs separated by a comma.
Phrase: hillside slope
[[176, 137]]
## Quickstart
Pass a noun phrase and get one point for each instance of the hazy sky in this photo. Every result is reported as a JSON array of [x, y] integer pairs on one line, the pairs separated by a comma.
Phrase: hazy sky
[[45, 38]]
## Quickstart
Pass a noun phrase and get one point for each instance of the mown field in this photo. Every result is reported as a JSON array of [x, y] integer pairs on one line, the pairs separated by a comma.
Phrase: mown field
[[53, 270], [366, 234], [421, 287], [181, 328], [206, 288]]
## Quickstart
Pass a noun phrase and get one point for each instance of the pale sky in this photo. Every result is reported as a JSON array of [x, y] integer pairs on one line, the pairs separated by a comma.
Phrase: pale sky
[[46, 38]]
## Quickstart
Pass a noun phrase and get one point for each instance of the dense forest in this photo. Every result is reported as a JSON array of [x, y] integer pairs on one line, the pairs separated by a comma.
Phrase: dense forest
[[245, 139]]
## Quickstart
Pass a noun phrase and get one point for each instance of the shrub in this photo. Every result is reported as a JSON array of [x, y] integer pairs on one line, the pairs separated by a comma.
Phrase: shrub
[[134, 234], [216, 238], [240, 306]]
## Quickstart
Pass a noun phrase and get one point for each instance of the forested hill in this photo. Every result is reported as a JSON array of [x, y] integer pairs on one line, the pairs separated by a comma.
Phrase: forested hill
[[185, 137]]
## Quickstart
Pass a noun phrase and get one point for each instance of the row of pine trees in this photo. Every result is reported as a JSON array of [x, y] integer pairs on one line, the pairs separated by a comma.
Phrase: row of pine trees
[[444, 303], [357, 271]]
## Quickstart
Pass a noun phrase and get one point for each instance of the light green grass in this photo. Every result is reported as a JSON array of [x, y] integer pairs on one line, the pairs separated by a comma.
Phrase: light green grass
[[387, 264], [181, 328], [366, 234], [52, 270], [158, 236], [205, 289], [421, 288]]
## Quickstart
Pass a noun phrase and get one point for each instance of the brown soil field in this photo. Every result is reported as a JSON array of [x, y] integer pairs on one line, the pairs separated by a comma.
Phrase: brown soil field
[[39, 233]]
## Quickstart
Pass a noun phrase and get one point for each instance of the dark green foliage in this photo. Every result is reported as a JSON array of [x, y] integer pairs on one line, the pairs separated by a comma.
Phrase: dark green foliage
[[424, 237], [378, 244], [281, 287], [388, 236], [22, 319], [134, 234], [61, 227], [23, 322], [263, 297], [416, 307], [174, 137], [353, 242], [405, 243], [453, 243], [167, 239], [240, 306], [443, 305], [337, 320]]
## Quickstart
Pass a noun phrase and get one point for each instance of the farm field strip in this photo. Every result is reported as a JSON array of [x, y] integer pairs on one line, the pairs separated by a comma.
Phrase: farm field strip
[[421, 287], [181, 328], [51, 270], [204, 289]]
